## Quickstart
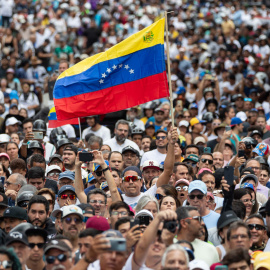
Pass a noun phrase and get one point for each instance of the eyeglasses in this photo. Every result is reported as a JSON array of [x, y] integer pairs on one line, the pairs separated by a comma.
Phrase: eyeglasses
[[185, 188], [191, 164], [65, 196], [248, 200], [254, 168], [39, 245], [133, 178], [60, 258], [204, 160], [98, 173], [122, 213], [159, 196], [257, 227], [199, 197], [23, 204], [161, 137], [198, 218], [97, 201], [6, 264], [77, 221], [53, 174], [8, 183], [236, 236]]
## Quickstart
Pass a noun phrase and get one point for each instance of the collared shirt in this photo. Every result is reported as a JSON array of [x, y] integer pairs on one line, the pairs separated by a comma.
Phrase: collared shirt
[[263, 190]]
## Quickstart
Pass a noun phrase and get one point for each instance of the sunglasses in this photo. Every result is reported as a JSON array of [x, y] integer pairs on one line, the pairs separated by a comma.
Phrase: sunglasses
[[257, 227], [185, 188], [159, 196], [97, 201], [133, 178], [191, 164], [6, 264], [60, 258], [77, 221], [199, 197], [198, 218], [204, 160], [161, 137], [23, 204], [39, 245], [98, 173], [53, 174], [65, 196]]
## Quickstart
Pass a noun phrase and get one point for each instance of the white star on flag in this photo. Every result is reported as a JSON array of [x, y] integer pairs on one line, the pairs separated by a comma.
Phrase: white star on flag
[[131, 71], [101, 81], [104, 75], [114, 67], [126, 67], [120, 65], [108, 70]]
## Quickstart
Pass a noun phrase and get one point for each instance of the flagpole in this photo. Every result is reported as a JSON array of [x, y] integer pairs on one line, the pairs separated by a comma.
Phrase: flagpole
[[169, 67], [80, 128]]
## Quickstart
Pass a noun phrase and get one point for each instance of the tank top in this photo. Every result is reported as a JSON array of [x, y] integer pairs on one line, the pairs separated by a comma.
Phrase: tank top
[[223, 251]]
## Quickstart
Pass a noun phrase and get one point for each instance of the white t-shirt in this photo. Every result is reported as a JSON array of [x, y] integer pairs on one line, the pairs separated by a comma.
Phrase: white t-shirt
[[132, 201], [103, 133], [153, 155], [128, 265], [117, 147]]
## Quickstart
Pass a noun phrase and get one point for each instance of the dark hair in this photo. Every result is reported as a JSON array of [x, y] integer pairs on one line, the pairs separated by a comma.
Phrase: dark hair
[[72, 148], [178, 204], [113, 152], [169, 190], [206, 233], [89, 232], [47, 191], [258, 216], [235, 256], [9, 252], [87, 136], [73, 140], [27, 120], [37, 158], [246, 170], [223, 111], [193, 146], [201, 175], [17, 163], [235, 225], [206, 154], [36, 172], [146, 136], [117, 205], [161, 131], [183, 212], [153, 145], [39, 199], [266, 168], [186, 242], [13, 143], [96, 191], [121, 221], [176, 164], [240, 192], [6, 171], [116, 170], [239, 209]]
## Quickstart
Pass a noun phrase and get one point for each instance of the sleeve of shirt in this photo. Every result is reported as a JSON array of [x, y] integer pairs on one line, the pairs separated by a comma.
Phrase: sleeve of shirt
[[35, 100], [107, 134]]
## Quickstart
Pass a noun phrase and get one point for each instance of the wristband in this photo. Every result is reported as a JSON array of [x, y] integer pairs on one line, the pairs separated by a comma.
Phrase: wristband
[[106, 169], [24, 143]]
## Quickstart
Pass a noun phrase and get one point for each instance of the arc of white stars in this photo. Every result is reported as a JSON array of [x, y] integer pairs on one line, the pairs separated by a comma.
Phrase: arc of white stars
[[131, 71], [126, 67]]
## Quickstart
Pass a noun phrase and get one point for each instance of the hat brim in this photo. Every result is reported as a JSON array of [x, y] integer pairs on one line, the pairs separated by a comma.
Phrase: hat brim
[[153, 167]]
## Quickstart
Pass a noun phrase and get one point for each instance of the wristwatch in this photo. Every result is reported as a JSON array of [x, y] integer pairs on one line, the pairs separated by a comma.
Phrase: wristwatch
[[106, 169]]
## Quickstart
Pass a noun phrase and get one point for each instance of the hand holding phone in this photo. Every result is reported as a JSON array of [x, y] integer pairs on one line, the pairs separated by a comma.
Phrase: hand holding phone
[[229, 174], [86, 157]]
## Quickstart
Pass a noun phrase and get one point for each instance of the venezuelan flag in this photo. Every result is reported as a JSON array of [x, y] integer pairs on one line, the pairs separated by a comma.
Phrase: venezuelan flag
[[128, 74], [54, 122]]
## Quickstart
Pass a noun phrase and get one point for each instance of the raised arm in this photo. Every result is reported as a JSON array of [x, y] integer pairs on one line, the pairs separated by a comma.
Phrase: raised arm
[[199, 94], [79, 188]]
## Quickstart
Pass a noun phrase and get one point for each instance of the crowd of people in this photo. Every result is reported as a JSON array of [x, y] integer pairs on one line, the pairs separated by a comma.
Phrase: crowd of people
[[137, 190]]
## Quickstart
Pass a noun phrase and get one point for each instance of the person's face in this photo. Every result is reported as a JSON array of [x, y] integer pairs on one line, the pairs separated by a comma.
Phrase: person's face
[[27, 127], [252, 117], [218, 160], [209, 180], [192, 150], [4, 161], [231, 113], [36, 253], [124, 228], [194, 225], [50, 200], [66, 198], [257, 137], [257, 235], [11, 223], [131, 189], [90, 121], [159, 117], [182, 192], [63, 67], [261, 122], [57, 265], [161, 140], [4, 257], [247, 106], [98, 202], [239, 239], [116, 178], [176, 259], [112, 260], [206, 161], [21, 250], [130, 159], [54, 174], [23, 113], [239, 265], [58, 162], [137, 138], [151, 207], [71, 226], [239, 103], [15, 138], [100, 178], [11, 183], [69, 157], [264, 177], [246, 199], [84, 244], [149, 173], [36, 182], [146, 144], [37, 214], [13, 128], [121, 132], [177, 150], [168, 203], [255, 166], [181, 173], [116, 214], [198, 201], [116, 161]]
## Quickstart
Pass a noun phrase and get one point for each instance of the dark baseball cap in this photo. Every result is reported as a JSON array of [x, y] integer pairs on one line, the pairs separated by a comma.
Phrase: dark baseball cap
[[57, 244], [16, 236], [15, 212], [55, 156], [226, 218], [71, 147], [37, 231], [65, 188], [130, 148], [132, 168]]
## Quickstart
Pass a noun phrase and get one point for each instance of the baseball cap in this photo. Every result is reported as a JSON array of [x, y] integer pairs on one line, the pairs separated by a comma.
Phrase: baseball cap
[[193, 106], [130, 148], [90, 177], [96, 166], [12, 121], [134, 169], [150, 164], [16, 236], [197, 185], [71, 147], [13, 105], [144, 212], [55, 156], [104, 185], [199, 139], [247, 185], [195, 121], [261, 149], [159, 110], [226, 218], [53, 167], [15, 212], [72, 209], [236, 121], [192, 157], [183, 123], [112, 234], [67, 174], [57, 244], [98, 222], [181, 181], [56, 212], [5, 155], [65, 188], [149, 124], [242, 116], [262, 260], [10, 70], [198, 264], [247, 177], [258, 132]]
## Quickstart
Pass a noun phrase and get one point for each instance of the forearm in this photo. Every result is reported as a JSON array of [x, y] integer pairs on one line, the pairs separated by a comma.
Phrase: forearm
[[78, 184]]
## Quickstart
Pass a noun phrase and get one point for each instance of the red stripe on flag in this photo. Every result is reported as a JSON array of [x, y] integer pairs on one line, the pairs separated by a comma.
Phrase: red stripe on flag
[[57, 123], [113, 99]]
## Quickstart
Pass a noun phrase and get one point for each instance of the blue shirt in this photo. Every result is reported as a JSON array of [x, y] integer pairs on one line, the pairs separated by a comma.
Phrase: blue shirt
[[211, 219]]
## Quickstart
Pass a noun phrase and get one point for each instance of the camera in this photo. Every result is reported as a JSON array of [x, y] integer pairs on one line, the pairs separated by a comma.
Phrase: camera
[[170, 225]]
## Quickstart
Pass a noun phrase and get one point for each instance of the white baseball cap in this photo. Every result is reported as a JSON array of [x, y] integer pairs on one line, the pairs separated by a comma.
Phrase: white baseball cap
[[150, 164], [183, 123], [72, 209], [53, 167], [12, 121]]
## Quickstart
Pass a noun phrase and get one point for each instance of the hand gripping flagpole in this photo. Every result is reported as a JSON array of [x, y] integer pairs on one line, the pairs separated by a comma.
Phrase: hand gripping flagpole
[[169, 66]]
